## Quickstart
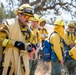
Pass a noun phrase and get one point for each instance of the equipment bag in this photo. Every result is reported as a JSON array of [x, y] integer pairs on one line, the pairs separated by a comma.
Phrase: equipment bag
[[48, 53], [66, 55]]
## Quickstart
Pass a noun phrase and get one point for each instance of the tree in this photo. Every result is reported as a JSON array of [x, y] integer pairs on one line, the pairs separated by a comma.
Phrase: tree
[[56, 5], [23, 1], [41, 6], [2, 12]]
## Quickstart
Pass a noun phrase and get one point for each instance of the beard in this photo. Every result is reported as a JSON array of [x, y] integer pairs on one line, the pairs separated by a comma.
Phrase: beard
[[23, 23]]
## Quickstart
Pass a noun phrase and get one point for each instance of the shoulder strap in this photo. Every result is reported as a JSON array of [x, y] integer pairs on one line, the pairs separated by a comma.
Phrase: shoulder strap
[[37, 34], [58, 34], [42, 29], [74, 33], [68, 33], [51, 34]]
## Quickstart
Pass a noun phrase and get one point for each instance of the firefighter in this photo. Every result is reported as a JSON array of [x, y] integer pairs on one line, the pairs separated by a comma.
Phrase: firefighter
[[75, 28], [43, 35], [35, 41], [13, 36], [42, 29], [55, 40], [69, 38]]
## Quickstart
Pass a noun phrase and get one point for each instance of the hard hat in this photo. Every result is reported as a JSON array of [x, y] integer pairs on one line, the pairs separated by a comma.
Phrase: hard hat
[[59, 22], [25, 9], [35, 18], [42, 20], [71, 24]]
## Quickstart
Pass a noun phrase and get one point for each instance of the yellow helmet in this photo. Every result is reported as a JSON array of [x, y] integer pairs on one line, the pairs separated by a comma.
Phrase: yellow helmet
[[35, 18], [42, 20], [25, 9], [71, 24], [59, 22]]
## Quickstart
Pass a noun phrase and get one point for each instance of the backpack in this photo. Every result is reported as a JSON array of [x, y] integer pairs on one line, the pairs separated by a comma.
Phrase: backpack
[[48, 53]]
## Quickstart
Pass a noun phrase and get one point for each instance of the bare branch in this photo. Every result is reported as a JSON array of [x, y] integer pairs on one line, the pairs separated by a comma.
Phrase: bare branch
[[41, 7], [35, 2]]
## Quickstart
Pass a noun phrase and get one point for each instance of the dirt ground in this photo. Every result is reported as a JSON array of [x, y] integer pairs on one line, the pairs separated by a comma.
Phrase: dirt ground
[[44, 68]]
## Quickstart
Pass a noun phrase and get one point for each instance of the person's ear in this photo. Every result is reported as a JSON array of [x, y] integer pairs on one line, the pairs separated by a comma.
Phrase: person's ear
[[18, 14]]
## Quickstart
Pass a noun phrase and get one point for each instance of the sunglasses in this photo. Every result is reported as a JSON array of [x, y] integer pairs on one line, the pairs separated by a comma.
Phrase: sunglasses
[[25, 16]]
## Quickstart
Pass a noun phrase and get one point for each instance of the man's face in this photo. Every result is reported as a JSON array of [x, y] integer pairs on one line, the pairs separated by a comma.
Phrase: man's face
[[42, 24], [71, 29], [23, 19], [34, 24]]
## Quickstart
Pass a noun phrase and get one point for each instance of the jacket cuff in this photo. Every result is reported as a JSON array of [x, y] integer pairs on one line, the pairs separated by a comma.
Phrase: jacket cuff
[[4, 43]]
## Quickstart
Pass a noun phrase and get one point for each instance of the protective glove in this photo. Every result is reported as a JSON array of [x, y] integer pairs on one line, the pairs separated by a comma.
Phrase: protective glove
[[42, 35], [20, 45], [30, 46], [38, 45], [46, 35]]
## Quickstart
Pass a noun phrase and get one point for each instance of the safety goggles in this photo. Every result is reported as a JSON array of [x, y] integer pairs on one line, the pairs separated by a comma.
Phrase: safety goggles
[[25, 16]]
